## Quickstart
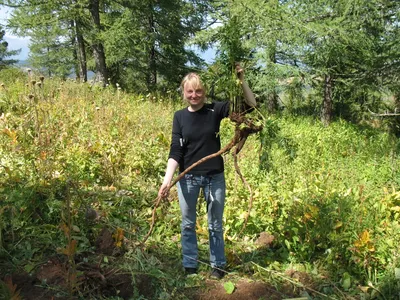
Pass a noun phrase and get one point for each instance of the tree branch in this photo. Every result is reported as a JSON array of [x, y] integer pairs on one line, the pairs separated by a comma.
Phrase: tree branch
[[386, 114]]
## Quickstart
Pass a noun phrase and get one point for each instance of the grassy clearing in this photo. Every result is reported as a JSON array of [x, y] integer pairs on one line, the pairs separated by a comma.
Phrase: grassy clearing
[[80, 167]]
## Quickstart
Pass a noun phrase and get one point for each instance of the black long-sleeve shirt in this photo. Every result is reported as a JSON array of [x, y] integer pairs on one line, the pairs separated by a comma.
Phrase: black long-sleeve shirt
[[196, 135]]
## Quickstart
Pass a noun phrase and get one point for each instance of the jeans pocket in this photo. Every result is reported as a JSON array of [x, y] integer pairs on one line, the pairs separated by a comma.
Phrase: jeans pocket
[[218, 179]]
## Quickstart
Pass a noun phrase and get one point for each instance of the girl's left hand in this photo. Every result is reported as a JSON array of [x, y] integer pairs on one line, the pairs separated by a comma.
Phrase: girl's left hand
[[239, 71]]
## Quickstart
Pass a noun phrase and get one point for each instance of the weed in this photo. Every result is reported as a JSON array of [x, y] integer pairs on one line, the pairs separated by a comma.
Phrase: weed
[[328, 195]]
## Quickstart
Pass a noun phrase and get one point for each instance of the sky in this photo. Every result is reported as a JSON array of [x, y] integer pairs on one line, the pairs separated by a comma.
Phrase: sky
[[14, 42]]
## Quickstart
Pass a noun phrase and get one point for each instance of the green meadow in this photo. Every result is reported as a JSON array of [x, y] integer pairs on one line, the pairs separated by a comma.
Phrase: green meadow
[[81, 165]]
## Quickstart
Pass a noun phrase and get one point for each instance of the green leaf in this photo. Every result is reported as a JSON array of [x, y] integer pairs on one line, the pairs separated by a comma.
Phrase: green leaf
[[229, 287], [397, 273], [29, 267], [346, 281], [287, 243]]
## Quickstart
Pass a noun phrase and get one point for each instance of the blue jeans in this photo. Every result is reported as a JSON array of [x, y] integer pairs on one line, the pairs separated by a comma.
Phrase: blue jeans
[[214, 193]]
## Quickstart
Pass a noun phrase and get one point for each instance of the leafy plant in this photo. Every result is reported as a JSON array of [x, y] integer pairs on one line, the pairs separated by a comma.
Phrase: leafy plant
[[327, 197]]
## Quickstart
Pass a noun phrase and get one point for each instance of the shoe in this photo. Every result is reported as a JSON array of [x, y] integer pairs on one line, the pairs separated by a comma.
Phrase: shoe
[[218, 273], [190, 271]]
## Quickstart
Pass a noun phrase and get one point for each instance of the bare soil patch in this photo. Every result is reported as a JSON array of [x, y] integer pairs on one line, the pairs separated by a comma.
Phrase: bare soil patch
[[244, 290], [50, 282]]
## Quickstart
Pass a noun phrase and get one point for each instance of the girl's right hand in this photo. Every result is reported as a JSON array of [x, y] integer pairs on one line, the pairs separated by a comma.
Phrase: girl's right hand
[[163, 191]]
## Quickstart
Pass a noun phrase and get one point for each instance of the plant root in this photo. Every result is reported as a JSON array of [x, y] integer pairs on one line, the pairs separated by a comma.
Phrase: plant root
[[246, 184], [238, 140]]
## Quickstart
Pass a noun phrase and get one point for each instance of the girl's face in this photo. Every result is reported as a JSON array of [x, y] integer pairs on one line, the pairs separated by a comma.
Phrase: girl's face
[[194, 95]]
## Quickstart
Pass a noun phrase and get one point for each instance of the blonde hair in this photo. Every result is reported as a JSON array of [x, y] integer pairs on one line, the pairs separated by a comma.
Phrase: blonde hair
[[194, 80]]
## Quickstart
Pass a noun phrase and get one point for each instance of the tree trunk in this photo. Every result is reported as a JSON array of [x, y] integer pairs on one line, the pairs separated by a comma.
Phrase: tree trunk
[[100, 62], [152, 65], [75, 54], [272, 104], [396, 121], [327, 104], [48, 67], [97, 46], [272, 97], [152, 77], [397, 102], [81, 52]]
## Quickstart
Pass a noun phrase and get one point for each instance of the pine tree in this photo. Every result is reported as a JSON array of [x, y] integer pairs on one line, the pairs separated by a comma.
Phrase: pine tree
[[5, 53]]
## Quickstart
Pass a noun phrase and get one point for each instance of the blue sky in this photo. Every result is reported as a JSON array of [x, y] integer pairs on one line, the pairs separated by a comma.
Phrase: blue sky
[[14, 42]]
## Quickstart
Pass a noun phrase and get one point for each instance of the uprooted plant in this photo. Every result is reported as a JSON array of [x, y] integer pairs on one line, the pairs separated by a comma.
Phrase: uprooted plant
[[243, 128]]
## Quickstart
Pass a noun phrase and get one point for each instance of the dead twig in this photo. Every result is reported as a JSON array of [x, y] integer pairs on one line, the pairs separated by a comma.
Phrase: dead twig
[[386, 114]]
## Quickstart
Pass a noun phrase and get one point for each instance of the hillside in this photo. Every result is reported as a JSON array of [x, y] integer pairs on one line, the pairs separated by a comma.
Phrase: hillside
[[81, 167]]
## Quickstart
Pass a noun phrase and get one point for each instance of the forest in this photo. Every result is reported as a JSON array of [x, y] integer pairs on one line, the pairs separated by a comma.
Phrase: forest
[[313, 201]]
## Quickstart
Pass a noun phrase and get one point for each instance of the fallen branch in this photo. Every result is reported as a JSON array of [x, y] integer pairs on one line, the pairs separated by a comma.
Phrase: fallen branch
[[387, 114], [241, 134]]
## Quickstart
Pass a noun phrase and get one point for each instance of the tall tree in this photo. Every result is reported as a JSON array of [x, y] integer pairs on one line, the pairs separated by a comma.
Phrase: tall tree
[[50, 53], [97, 46], [267, 37], [346, 50], [347, 44], [5, 61], [76, 24], [51, 33], [146, 42], [141, 45]]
